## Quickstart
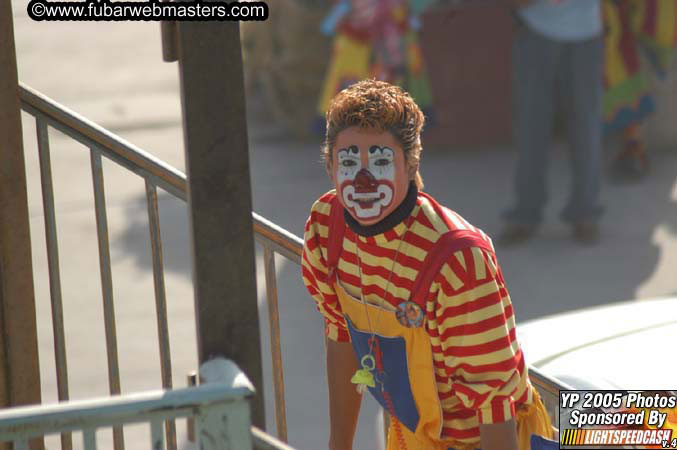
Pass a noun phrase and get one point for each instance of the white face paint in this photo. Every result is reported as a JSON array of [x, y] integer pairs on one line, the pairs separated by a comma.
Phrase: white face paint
[[369, 205], [370, 173], [382, 163], [349, 164], [368, 202]]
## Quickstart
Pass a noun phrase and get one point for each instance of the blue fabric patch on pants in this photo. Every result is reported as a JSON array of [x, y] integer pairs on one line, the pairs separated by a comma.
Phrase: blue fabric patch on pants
[[541, 443], [538, 443], [395, 375]]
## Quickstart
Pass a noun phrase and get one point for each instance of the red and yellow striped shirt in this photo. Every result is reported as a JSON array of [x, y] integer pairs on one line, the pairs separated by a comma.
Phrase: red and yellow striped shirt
[[479, 366]]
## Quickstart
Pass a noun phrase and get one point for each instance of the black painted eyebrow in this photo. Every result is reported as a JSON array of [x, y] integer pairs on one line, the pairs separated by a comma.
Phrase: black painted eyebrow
[[351, 149], [375, 148]]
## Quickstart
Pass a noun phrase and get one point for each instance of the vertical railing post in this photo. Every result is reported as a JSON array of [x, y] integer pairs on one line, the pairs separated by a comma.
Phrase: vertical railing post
[[275, 347], [106, 286], [160, 301], [54, 271], [219, 197], [19, 364]]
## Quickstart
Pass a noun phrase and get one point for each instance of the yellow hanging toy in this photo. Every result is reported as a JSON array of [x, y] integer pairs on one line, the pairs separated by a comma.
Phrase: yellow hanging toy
[[364, 377]]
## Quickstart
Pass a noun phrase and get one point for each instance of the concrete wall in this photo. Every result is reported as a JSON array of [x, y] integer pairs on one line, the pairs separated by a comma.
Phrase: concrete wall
[[467, 53]]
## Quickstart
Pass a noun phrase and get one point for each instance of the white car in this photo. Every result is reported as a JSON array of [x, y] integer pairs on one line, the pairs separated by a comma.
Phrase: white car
[[627, 346], [624, 346]]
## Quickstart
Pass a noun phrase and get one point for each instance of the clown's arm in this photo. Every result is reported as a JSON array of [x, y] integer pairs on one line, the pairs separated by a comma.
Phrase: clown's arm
[[497, 436], [344, 401], [475, 327]]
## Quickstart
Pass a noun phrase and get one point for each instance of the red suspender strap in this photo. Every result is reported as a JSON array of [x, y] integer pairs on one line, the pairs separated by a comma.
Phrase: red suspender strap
[[335, 238], [448, 244]]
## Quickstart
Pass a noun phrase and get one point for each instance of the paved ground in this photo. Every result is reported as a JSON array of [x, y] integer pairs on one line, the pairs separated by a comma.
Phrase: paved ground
[[113, 74]]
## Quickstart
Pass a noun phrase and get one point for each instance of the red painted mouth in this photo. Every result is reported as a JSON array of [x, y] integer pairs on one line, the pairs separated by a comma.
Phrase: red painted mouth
[[368, 200]]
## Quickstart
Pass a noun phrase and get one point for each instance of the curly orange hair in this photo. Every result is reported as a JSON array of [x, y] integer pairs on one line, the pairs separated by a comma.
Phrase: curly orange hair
[[378, 105]]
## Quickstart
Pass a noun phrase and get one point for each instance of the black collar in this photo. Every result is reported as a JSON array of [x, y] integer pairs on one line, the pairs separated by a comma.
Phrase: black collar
[[393, 219]]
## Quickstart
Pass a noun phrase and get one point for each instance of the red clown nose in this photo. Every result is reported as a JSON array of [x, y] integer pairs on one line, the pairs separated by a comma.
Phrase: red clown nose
[[365, 181]]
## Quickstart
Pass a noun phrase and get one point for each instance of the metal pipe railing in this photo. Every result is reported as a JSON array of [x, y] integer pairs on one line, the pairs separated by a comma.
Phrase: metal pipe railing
[[106, 286], [96, 137], [160, 300], [54, 271], [275, 346], [280, 240], [221, 409], [156, 173]]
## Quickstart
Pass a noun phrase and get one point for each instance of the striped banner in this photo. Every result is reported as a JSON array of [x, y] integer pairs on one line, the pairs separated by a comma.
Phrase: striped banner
[[573, 437]]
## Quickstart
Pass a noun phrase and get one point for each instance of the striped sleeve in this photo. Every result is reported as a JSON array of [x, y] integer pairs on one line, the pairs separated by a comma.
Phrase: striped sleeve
[[476, 335], [314, 271]]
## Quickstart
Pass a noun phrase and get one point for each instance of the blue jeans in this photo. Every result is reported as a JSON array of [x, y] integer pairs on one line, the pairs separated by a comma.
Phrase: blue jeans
[[543, 68]]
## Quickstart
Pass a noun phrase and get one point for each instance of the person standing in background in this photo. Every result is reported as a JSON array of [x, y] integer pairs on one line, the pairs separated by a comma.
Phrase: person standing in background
[[375, 39], [557, 54], [631, 25]]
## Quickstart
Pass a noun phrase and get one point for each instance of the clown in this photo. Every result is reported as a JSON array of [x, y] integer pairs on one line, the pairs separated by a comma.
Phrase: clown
[[414, 301]]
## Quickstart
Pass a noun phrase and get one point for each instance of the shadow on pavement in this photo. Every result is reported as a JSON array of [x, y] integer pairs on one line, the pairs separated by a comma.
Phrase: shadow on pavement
[[547, 275]]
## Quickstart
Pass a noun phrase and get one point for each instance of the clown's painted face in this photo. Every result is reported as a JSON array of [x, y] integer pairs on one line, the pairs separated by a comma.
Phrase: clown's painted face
[[370, 173]]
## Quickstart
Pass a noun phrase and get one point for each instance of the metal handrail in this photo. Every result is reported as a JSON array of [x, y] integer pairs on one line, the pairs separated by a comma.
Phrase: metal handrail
[[156, 173], [140, 162], [25, 422], [274, 239], [222, 409], [114, 147]]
